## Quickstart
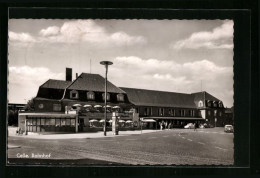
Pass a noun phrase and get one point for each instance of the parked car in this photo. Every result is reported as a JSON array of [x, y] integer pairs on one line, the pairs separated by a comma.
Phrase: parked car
[[207, 125], [189, 126], [228, 128], [201, 126]]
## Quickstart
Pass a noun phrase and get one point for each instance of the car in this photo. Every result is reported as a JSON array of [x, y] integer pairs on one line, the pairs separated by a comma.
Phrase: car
[[228, 128], [201, 126], [189, 126]]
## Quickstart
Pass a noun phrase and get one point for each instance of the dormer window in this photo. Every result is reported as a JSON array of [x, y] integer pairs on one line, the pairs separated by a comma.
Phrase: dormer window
[[220, 104], [108, 96], [90, 95], [209, 103], [74, 94], [200, 103], [120, 97], [215, 104]]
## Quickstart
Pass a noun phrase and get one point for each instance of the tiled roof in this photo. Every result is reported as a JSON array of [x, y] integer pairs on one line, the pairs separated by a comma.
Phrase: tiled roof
[[144, 97], [56, 84], [200, 96], [93, 82]]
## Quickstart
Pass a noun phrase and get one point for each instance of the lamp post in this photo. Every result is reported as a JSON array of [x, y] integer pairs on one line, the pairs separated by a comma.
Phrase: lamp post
[[106, 64]]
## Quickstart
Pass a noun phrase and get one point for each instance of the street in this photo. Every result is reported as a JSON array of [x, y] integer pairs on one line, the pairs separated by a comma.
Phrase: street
[[167, 147]]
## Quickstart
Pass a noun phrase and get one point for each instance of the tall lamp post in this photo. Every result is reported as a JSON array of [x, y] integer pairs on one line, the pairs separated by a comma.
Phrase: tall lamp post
[[106, 64]]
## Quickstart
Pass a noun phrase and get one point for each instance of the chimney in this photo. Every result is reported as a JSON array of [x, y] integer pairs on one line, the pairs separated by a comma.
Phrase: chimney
[[68, 74], [76, 75]]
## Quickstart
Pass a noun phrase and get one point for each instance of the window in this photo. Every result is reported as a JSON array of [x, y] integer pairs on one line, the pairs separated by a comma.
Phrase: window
[[209, 103], [220, 104], [74, 94], [171, 112], [191, 112], [146, 110], [137, 110], [220, 113], [161, 112], [200, 103], [108, 96], [215, 112], [182, 112], [120, 97], [56, 107], [215, 104], [90, 95], [209, 113]]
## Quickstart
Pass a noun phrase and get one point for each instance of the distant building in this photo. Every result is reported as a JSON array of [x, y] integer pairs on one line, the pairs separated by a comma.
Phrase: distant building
[[57, 97]]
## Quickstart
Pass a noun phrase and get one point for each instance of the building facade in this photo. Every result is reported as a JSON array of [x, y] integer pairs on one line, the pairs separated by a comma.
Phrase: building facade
[[85, 97]]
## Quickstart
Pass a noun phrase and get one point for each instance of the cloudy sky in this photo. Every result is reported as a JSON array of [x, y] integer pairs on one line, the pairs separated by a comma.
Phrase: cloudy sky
[[166, 55]]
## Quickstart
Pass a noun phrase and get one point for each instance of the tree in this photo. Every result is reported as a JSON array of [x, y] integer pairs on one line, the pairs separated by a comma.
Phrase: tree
[[12, 117], [30, 105]]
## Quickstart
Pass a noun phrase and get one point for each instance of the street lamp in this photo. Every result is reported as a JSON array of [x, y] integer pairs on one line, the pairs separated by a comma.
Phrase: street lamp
[[106, 64]]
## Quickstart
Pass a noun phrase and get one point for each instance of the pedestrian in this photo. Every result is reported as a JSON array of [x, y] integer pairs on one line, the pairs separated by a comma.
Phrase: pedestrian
[[169, 126], [195, 126]]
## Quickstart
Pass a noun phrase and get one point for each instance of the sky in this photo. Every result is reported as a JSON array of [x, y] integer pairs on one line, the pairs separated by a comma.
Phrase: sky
[[184, 56]]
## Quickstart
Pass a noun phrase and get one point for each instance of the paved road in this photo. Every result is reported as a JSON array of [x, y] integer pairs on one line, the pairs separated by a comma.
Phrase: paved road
[[171, 147]]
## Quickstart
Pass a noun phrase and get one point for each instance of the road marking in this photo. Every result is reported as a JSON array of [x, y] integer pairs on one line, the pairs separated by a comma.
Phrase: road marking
[[201, 143], [190, 140], [131, 139], [220, 148]]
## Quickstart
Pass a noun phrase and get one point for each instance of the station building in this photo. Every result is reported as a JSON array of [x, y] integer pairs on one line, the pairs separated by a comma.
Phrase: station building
[[78, 105]]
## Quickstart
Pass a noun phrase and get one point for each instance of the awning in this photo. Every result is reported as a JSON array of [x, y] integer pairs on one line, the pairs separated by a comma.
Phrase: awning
[[93, 120], [148, 120], [175, 118]]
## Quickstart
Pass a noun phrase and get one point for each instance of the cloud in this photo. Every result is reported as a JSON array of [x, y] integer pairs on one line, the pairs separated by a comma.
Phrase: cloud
[[50, 31], [21, 37], [172, 76], [219, 38], [77, 31], [24, 81]]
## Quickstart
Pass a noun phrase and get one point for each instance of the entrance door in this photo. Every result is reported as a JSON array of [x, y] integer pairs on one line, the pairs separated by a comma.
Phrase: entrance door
[[81, 124]]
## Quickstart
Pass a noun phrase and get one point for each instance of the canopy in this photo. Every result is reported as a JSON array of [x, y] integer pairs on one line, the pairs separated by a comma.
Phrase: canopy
[[121, 121], [108, 106], [116, 107], [110, 121], [93, 120], [97, 106], [148, 120], [87, 106], [102, 120], [128, 121], [77, 105]]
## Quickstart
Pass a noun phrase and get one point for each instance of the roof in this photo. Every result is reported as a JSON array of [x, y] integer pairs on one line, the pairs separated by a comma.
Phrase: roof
[[56, 84], [176, 118], [143, 97], [93, 82], [200, 96]]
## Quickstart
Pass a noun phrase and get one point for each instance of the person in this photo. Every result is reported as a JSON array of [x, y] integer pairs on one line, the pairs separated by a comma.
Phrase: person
[[195, 126], [169, 125]]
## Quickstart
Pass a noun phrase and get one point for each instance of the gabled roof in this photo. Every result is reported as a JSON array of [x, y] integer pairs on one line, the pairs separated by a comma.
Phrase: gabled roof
[[56, 84], [142, 97], [93, 82], [200, 96]]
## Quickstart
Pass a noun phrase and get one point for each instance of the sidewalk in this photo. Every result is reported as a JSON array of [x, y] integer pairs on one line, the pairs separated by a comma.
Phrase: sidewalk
[[81, 135]]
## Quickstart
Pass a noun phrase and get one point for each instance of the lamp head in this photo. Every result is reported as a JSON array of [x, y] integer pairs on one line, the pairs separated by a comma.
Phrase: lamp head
[[106, 63]]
